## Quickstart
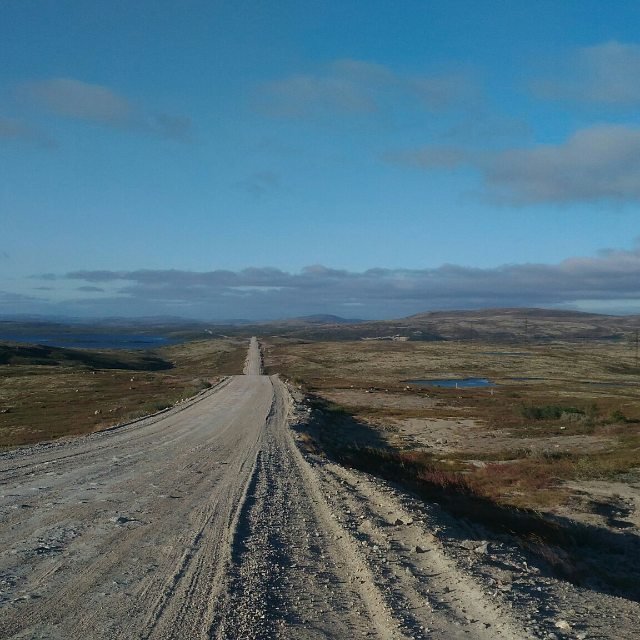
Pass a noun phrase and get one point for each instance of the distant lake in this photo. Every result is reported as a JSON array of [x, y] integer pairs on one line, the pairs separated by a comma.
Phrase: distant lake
[[447, 383], [91, 340]]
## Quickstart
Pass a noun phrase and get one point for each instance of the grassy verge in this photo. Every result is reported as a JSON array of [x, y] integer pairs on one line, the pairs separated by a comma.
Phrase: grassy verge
[[569, 549], [504, 457], [558, 413], [47, 393], [528, 475]]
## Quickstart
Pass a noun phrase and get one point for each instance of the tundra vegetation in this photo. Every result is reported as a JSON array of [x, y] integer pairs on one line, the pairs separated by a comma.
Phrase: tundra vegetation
[[551, 455], [562, 412], [48, 392]]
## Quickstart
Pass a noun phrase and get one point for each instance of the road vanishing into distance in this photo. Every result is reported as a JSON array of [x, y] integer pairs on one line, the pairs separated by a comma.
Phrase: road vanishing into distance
[[207, 521]]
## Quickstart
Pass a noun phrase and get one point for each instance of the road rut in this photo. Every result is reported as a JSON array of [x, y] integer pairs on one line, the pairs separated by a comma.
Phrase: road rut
[[208, 522]]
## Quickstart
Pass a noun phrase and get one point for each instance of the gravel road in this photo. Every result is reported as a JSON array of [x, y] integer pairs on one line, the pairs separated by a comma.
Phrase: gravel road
[[207, 521]]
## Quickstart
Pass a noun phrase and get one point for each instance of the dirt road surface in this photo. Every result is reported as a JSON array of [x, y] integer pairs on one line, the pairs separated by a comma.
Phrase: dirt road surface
[[207, 521]]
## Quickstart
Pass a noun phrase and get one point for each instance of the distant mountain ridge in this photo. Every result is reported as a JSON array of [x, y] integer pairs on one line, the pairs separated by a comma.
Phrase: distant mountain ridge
[[524, 312], [319, 318], [500, 325], [520, 323]]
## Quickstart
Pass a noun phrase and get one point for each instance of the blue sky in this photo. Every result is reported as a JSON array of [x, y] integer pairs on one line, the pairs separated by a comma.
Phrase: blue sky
[[270, 159]]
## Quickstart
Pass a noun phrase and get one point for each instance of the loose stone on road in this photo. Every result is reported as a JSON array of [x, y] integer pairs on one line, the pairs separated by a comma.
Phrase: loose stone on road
[[207, 521]]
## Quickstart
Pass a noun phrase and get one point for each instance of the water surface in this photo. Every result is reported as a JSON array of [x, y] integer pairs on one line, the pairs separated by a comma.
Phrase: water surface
[[459, 383], [90, 340]]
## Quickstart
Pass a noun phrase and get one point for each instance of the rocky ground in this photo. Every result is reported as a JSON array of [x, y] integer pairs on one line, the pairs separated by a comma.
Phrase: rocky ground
[[210, 521]]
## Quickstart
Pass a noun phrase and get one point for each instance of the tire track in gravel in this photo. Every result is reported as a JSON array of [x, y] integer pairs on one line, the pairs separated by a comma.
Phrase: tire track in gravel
[[431, 595], [125, 534], [290, 574], [318, 554], [209, 523]]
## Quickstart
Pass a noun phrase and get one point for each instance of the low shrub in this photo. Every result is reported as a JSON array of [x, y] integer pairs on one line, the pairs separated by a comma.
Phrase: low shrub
[[549, 412], [617, 416]]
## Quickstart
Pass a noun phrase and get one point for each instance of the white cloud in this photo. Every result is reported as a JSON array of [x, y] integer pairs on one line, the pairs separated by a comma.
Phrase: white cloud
[[71, 98], [17, 130], [605, 74], [594, 164], [266, 292], [357, 87], [82, 100], [13, 298], [598, 163]]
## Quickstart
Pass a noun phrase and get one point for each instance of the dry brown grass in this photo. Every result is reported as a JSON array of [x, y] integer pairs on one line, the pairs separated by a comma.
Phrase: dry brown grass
[[43, 402], [578, 417]]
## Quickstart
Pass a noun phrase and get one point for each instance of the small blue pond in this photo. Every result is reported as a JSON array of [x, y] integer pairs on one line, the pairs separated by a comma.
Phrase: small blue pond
[[448, 383]]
